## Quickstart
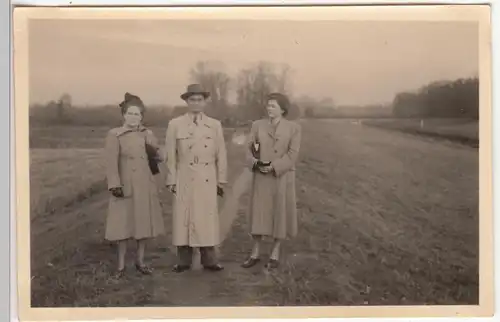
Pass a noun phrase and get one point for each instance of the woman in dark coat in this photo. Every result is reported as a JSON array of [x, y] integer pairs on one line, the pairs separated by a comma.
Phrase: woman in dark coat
[[272, 151]]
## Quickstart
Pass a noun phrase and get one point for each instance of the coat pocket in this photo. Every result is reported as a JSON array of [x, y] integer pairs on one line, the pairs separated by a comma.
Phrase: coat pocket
[[183, 135]]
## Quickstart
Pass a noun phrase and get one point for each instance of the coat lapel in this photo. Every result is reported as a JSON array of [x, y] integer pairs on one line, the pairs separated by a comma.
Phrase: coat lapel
[[188, 124], [203, 127], [280, 130], [196, 132], [275, 134], [269, 129], [122, 130]]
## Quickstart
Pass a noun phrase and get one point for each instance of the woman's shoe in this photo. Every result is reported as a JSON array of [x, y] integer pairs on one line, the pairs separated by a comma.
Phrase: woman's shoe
[[143, 269], [250, 262], [119, 273], [180, 268]]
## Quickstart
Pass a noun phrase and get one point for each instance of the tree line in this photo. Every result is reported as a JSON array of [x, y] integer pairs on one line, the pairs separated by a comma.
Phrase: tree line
[[459, 98], [250, 87]]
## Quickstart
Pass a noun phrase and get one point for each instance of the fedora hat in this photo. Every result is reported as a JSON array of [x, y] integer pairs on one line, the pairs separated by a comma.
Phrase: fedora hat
[[194, 89]]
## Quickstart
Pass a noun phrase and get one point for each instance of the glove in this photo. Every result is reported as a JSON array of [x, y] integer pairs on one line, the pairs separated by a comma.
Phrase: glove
[[266, 169], [117, 192], [255, 166], [259, 165], [220, 191], [172, 188]]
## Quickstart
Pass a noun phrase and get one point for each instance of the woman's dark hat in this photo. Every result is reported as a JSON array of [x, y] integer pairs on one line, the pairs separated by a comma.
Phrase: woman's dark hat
[[195, 89], [131, 99]]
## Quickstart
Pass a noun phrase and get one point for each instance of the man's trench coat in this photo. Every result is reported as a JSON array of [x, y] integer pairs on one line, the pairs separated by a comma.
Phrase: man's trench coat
[[196, 163]]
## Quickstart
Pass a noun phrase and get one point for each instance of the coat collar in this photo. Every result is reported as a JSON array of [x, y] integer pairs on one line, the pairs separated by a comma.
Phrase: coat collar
[[202, 120], [123, 129], [276, 132]]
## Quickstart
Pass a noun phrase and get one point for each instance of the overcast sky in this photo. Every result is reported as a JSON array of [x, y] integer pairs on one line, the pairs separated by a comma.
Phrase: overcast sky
[[97, 61]]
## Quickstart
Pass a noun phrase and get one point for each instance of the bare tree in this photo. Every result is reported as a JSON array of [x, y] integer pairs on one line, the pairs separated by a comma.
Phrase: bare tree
[[284, 79], [63, 105], [212, 76], [255, 83]]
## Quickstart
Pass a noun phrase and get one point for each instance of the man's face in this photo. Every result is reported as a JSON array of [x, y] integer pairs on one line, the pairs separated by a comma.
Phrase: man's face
[[196, 103]]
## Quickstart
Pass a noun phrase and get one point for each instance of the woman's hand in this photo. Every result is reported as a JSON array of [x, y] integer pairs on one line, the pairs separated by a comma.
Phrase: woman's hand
[[117, 192], [266, 169]]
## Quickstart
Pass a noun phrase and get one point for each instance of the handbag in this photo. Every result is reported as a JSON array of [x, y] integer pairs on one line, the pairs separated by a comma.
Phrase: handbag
[[255, 149], [153, 159]]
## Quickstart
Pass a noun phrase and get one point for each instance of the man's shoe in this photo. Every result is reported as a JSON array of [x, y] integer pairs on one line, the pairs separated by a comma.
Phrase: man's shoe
[[214, 268]]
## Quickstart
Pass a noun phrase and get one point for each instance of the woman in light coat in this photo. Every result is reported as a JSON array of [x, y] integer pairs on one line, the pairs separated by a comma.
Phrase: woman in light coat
[[272, 151], [134, 211]]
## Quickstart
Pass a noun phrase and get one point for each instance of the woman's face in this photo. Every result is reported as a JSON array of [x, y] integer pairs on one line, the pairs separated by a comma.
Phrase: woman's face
[[133, 116], [273, 109]]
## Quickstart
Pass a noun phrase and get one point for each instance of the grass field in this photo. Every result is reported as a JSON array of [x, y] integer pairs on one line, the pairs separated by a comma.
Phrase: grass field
[[464, 131], [60, 177], [385, 219]]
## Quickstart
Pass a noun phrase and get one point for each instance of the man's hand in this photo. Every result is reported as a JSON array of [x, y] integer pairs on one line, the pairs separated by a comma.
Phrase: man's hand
[[172, 188], [117, 192]]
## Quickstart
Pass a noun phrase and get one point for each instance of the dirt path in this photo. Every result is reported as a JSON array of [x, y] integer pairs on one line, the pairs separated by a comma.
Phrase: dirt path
[[385, 218]]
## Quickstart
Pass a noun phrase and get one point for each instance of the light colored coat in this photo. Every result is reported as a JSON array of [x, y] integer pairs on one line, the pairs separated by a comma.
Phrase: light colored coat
[[196, 163], [138, 214], [273, 210]]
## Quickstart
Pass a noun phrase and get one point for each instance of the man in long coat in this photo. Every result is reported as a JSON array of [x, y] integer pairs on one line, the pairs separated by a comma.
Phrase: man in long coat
[[196, 172]]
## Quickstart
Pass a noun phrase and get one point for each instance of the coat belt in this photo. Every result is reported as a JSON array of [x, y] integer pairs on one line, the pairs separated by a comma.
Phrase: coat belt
[[196, 160]]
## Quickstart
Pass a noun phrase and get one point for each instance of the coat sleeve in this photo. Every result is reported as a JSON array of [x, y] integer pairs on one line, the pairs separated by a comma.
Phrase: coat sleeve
[[221, 156], [287, 161], [170, 154], [112, 154], [152, 140], [250, 159]]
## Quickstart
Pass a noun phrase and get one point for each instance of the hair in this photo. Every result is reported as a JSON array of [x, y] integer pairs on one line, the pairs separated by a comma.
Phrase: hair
[[282, 100], [132, 100]]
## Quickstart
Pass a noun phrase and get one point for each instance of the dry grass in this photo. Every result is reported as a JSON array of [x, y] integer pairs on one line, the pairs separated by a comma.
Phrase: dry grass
[[67, 165], [464, 131], [384, 219], [59, 177]]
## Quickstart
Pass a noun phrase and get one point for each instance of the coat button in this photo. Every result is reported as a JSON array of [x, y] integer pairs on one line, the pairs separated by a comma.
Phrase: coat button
[[206, 163], [206, 146], [191, 163], [206, 180]]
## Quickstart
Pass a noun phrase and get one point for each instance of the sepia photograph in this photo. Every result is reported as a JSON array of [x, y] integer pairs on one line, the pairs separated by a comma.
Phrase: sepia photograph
[[204, 157]]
